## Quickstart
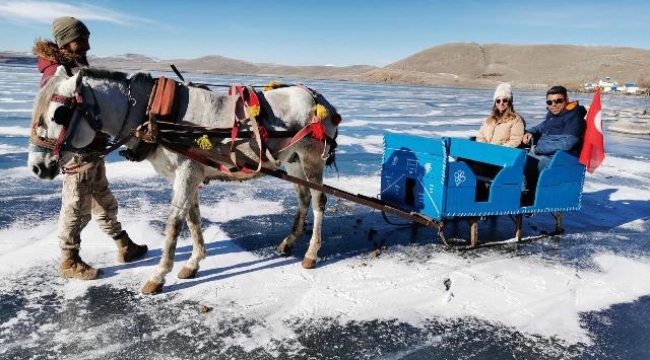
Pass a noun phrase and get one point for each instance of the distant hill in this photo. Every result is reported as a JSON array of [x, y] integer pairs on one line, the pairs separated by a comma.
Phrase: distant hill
[[16, 58], [223, 65], [522, 65], [455, 64], [208, 64]]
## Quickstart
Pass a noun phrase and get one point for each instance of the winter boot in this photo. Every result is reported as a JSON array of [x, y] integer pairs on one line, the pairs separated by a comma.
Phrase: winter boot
[[127, 250], [73, 267]]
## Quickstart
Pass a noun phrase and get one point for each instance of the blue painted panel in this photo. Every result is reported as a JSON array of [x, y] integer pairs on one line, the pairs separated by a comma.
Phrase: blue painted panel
[[436, 146], [487, 153], [560, 184], [413, 171], [504, 191], [460, 189]]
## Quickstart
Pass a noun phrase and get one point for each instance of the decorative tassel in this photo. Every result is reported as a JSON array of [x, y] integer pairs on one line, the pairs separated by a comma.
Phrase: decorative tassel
[[253, 110], [317, 131], [253, 102], [204, 142], [272, 85], [320, 111]]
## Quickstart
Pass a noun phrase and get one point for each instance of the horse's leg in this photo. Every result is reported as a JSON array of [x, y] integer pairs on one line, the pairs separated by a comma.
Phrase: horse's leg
[[309, 168], [186, 184], [304, 196], [198, 244], [313, 167]]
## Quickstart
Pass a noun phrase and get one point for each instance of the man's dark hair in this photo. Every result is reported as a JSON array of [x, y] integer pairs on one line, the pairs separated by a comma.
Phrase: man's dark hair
[[557, 89]]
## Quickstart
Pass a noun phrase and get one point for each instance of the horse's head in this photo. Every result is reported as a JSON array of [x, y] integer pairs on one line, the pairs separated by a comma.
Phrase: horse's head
[[58, 122]]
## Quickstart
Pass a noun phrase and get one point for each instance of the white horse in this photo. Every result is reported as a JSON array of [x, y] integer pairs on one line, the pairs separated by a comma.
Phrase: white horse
[[121, 103]]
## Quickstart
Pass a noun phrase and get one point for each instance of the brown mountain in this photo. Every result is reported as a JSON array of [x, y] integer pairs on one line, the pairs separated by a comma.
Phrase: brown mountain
[[455, 64], [471, 64], [223, 65]]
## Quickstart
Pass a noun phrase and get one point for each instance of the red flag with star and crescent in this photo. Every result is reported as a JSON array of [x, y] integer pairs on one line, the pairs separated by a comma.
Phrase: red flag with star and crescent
[[593, 150]]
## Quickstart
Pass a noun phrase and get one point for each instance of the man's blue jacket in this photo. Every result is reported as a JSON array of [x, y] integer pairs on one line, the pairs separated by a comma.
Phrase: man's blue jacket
[[563, 131]]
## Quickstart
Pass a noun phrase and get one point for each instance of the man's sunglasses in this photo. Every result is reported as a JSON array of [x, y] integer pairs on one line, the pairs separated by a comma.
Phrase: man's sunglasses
[[498, 101], [556, 101]]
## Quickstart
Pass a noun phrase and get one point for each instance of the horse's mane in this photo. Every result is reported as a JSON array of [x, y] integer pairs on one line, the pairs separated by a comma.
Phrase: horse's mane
[[43, 97], [103, 74], [141, 78]]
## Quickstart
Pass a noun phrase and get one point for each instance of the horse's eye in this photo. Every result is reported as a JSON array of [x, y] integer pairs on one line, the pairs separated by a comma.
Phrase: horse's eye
[[63, 115]]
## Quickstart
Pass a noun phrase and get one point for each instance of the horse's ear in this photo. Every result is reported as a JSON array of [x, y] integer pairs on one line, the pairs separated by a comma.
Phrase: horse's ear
[[78, 79], [60, 71]]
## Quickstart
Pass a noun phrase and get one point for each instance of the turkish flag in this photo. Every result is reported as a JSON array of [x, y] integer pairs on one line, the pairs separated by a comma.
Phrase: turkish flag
[[593, 150]]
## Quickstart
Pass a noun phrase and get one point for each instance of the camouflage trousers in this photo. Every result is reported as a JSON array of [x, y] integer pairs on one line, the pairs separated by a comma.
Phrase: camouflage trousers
[[85, 194]]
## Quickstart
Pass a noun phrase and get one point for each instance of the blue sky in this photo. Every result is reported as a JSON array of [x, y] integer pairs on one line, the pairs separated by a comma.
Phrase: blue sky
[[324, 32]]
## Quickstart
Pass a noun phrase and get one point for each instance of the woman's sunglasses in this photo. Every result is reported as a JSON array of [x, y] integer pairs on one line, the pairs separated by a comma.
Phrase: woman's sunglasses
[[556, 101], [498, 101]]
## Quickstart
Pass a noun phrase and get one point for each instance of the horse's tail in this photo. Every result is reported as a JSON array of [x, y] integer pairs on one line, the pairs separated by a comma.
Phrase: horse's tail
[[330, 121], [331, 159]]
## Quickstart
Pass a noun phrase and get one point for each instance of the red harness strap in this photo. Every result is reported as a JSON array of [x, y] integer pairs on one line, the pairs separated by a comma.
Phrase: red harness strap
[[72, 103], [59, 142], [67, 101], [250, 105], [315, 129]]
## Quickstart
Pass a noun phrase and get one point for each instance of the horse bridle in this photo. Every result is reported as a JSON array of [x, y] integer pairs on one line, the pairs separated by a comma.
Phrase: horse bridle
[[63, 116]]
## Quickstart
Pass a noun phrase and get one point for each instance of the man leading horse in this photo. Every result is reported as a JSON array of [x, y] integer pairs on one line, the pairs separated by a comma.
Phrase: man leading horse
[[85, 190]]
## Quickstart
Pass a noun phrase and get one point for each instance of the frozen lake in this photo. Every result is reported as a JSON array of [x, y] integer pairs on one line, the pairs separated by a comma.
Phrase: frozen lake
[[582, 295]]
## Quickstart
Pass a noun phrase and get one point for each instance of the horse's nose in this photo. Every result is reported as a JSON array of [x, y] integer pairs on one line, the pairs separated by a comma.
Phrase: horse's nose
[[38, 170], [43, 172]]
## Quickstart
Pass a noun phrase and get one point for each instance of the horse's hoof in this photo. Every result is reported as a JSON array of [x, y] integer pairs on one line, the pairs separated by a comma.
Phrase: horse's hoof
[[151, 288], [308, 263], [284, 249], [187, 273]]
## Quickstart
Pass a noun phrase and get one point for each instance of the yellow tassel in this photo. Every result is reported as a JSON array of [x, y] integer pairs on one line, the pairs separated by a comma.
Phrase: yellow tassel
[[320, 111], [271, 85], [253, 111], [204, 142]]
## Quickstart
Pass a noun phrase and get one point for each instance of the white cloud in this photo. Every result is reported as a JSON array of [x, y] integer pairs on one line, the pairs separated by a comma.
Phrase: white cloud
[[46, 11]]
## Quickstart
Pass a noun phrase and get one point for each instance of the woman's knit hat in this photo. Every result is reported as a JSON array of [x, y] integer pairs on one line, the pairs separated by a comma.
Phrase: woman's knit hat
[[502, 91], [66, 29]]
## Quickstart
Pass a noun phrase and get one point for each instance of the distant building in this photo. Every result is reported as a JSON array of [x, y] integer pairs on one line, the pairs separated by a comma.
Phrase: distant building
[[589, 86], [631, 88], [607, 84]]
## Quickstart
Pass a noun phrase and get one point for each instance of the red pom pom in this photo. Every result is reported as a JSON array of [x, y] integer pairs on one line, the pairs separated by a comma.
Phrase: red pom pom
[[317, 131]]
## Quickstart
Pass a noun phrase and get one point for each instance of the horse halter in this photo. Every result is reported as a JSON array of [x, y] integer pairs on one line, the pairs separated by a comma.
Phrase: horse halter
[[63, 116]]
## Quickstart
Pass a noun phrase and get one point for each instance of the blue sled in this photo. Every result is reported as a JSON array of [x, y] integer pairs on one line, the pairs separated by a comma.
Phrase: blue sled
[[442, 178]]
